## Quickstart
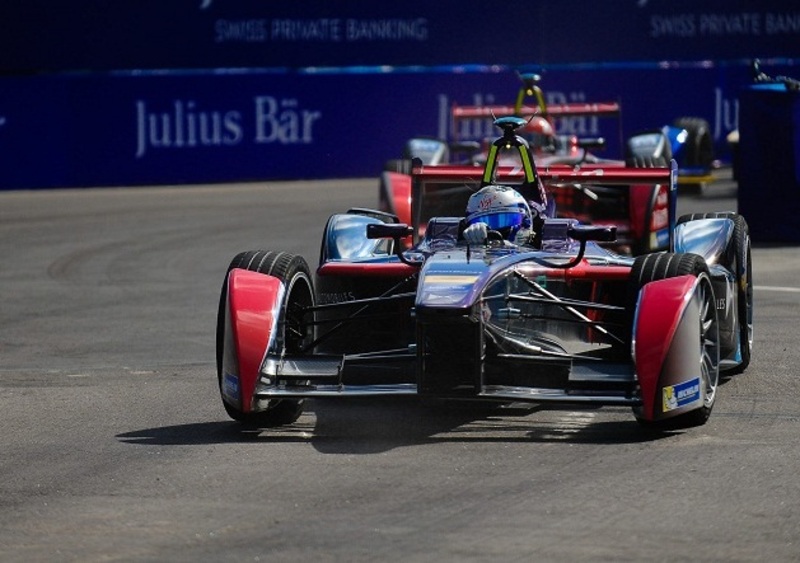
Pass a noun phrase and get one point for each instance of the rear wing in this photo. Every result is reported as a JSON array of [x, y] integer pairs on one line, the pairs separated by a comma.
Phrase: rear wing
[[471, 122], [602, 109], [443, 190]]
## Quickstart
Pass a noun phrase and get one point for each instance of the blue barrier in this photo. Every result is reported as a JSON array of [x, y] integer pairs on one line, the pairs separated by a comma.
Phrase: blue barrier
[[209, 90], [145, 128], [769, 170]]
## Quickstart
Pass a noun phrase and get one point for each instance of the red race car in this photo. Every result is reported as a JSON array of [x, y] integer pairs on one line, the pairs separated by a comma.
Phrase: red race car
[[637, 211], [552, 317]]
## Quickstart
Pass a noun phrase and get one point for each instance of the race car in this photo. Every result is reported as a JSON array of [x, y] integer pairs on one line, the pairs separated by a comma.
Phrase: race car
[[637, 211], [559, 320], [473, 131], [687, 140]]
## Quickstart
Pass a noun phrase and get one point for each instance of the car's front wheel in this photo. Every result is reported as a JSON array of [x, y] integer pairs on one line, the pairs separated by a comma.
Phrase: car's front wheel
[[295, 332], [666, 265]]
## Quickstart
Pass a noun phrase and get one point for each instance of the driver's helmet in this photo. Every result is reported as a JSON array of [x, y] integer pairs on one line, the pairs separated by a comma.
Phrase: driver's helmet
[[539, 133], [502, 208]]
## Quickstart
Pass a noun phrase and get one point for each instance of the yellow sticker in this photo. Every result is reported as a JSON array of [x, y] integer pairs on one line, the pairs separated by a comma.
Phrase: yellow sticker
[[454, 279]]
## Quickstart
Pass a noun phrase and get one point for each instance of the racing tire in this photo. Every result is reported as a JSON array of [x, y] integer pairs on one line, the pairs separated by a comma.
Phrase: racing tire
[[699, 144], [739, 262], [294, 272], [659, 266], [635, 159]]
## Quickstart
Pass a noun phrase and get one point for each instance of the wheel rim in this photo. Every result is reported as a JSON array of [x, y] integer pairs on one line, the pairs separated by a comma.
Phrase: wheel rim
[[297, 332], [709, 343]]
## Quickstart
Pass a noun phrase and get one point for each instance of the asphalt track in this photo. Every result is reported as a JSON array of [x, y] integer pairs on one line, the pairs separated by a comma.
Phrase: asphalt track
[[115, 447]]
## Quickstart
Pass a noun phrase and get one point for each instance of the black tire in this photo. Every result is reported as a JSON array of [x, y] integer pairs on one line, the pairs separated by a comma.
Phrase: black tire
[[663, 265], [738, 261], [652, 267], [635, 159], [699, 144], [294, 272]]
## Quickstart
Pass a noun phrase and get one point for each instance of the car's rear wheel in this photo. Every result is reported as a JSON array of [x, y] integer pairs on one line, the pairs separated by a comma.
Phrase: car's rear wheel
[[653, 267], [738, 261], [699, 144], [294, 332]]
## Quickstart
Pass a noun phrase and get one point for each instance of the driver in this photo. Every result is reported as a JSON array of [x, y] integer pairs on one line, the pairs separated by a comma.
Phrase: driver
[[501, 209]]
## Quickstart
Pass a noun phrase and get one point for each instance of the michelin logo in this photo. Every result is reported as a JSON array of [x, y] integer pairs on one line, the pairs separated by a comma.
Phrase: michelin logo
[[682, 394], [231, 389]]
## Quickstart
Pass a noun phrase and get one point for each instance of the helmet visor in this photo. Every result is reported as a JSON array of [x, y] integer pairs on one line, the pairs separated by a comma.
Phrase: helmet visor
[[497, 221]]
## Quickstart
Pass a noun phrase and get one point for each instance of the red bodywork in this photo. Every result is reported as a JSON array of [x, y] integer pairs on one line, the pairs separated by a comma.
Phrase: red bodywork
[[253, 306], [661, 306], [601, 109], [597, 173], [486, 114]]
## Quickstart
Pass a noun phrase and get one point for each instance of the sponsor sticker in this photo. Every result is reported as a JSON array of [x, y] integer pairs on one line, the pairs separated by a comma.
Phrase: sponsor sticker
[[456, 280], [230, 388], [682, 394]]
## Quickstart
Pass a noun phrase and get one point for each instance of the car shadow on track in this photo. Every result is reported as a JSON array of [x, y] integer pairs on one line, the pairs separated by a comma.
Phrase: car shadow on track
[[367, 426]]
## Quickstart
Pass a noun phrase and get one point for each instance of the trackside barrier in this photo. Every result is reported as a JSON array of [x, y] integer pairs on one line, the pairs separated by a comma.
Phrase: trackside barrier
[[191, 91], [140, 128], [769, 168]]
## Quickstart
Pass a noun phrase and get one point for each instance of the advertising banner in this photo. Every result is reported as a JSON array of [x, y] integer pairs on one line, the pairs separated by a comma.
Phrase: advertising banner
[[114, 129], [142, 91], [41, 35]]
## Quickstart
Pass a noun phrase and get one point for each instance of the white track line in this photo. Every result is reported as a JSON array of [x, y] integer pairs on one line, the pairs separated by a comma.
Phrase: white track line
[[776, 288]]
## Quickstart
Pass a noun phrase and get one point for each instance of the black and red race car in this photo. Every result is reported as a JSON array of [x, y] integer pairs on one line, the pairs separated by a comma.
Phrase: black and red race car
[[561, 320], [637, 211]]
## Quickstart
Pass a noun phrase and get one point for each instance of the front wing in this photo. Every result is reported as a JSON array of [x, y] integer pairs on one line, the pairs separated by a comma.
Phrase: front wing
[[448, 360]]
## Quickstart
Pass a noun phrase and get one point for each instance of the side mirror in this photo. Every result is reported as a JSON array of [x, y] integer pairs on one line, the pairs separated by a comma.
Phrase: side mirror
[[394, 231], [592, 143], [584, 233], [465, 147], [389, 230]]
